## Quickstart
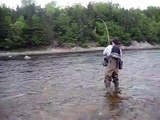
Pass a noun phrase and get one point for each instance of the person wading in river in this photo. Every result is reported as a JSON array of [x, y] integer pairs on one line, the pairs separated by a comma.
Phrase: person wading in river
[[113, 55]]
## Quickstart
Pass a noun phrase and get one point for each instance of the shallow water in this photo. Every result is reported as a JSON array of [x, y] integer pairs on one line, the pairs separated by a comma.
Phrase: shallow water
[[71, 88]]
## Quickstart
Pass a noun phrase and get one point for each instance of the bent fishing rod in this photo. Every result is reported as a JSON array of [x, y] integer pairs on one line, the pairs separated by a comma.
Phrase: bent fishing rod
[[93, 21]]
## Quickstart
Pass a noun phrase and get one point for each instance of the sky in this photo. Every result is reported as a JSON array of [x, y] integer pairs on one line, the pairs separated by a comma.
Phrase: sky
[[142, 4]]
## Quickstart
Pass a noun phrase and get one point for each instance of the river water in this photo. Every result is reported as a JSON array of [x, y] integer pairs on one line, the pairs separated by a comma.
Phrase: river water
[[71, 87]]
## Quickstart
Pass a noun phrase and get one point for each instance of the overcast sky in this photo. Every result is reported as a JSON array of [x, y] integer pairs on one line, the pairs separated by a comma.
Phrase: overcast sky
[[142, 4]]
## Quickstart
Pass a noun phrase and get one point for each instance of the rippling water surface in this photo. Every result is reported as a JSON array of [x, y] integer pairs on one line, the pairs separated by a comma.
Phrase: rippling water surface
[[71, 88]]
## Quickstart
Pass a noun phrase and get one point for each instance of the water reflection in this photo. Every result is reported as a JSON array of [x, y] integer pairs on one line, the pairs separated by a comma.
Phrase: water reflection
[[113, 100]]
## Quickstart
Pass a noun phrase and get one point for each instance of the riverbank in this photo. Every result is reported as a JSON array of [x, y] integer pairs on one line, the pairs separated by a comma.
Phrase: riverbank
[[134, 46]]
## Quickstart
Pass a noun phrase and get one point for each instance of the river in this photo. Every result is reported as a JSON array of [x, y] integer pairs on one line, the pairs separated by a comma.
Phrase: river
[[71, 87]]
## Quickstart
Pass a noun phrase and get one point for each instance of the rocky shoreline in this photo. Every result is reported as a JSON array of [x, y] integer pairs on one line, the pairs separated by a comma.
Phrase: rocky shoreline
[[55, 51]]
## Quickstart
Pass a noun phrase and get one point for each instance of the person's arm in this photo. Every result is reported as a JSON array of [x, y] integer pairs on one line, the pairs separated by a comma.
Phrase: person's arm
[[121, 53], [107, 50]]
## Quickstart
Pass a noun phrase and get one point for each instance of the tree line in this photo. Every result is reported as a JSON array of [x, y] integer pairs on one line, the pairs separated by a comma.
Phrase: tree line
[[30, 25]]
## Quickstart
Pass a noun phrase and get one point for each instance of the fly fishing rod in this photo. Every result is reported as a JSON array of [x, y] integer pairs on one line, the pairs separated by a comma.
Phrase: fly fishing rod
[[102, 22], [106, 29]]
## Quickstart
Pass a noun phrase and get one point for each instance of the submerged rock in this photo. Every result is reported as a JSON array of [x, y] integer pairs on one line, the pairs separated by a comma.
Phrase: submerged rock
[[10, 56], [27, 57]]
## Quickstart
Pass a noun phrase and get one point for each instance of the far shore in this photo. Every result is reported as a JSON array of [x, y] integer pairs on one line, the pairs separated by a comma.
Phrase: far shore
[[56, 51]]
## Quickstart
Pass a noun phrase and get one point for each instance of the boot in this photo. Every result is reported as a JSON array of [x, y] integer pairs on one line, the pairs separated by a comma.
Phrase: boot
[[116, 85], [115, 81], [107, 82], [108, 86]]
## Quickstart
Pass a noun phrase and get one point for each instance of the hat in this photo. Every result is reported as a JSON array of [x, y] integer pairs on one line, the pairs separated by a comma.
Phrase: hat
[[116, 41]]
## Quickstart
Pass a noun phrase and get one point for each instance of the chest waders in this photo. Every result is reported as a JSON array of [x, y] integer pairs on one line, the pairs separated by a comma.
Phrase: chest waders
[[112, 69]]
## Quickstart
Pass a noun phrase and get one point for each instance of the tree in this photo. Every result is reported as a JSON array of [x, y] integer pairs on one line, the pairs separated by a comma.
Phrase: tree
[[27, 2], [5, 21], [31, 25]]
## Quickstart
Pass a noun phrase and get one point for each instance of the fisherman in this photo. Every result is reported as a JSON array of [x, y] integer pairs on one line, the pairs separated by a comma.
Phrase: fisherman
[[113, 55]]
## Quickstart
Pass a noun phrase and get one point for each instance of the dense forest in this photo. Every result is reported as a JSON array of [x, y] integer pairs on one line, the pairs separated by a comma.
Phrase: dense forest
[[30, 25]]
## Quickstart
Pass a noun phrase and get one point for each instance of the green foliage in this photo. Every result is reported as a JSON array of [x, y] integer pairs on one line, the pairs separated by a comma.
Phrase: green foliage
[[27, 2], [154, 34], [30, 25], [51, 8]]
